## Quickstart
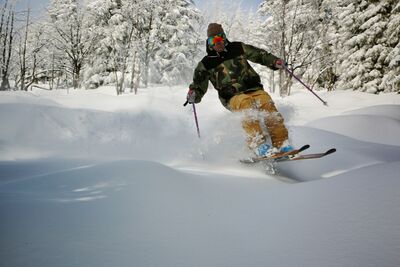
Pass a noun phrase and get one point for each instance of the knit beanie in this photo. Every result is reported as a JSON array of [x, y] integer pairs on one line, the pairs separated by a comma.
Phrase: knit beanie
[[214, 29]]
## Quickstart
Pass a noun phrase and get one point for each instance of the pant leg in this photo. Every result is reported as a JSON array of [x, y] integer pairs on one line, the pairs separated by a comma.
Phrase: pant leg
[[273, 119], [250, 124]]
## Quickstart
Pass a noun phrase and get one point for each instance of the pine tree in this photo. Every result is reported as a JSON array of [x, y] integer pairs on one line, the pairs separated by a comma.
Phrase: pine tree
[[153, 40], [175, 54], [113, 31], [391, 78], [367, 45], [321, 66]]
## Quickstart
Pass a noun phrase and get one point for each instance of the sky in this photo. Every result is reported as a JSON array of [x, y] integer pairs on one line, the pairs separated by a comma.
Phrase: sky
[[34, 4], [37, 6]]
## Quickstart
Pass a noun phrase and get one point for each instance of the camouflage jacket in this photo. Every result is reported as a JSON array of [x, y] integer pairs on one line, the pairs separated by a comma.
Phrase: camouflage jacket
[[230, 72]]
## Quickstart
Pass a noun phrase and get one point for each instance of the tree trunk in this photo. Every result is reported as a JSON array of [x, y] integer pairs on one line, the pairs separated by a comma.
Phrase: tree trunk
[[76, 74], [136, 86], [272, 82], [282, 79], [52, 72], [147, 55], [122, 81], [33, 77], [4, 11], [133, 71], [5, 84], [23, 61], [146, 67]]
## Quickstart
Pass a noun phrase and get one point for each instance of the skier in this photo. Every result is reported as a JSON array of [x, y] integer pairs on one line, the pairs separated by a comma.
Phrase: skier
[[239, 89]]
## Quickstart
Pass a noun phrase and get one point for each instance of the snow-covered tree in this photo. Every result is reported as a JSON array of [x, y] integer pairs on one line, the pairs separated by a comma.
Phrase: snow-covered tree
[[123, 30], [177, 46], [370, 37], [114, 32], [69, 36], [7, 35], [391, 78], [293, 33], [30, 44], [324, 64], [236, 21], [153, 40]]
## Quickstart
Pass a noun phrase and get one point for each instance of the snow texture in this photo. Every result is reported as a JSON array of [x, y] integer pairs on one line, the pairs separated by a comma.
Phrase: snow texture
[[92, 179]]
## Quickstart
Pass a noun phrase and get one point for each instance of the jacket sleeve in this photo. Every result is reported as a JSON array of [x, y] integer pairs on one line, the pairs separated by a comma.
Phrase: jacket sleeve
[[200, 81], [259, 56]]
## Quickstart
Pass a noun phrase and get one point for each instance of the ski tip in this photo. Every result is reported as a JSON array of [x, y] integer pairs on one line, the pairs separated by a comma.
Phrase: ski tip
[[330, 151], [304, 147]]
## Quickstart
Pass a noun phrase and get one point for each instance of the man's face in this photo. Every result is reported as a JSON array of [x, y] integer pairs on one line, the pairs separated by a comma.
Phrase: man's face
[[219, 46], [217, 42]]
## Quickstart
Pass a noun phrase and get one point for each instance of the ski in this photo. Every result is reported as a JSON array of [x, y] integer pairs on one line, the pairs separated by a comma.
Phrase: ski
[[307, 156], [276, 156]]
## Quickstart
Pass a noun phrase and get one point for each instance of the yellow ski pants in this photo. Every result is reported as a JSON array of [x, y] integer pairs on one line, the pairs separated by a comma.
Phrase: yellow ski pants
[[259, 108]]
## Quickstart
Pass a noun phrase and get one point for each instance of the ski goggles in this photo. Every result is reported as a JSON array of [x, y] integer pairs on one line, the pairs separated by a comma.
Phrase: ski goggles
[[220, 37]]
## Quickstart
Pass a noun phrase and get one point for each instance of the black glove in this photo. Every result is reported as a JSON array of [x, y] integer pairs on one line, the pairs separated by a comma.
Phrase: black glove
[[280, 63]]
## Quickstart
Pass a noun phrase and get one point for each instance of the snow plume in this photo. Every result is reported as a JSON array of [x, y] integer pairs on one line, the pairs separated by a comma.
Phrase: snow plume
[[106, 129]]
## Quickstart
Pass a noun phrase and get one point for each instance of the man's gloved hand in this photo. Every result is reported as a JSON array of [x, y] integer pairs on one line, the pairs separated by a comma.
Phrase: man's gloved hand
[[191, 96], [280, 63]]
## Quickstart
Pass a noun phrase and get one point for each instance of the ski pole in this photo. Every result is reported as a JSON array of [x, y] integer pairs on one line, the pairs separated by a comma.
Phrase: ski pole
[[195, 117], [300, 81], [196, 120]]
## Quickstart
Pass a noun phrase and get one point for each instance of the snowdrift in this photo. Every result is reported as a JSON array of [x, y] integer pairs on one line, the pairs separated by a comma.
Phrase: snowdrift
[[140, 213], [379, 124], [90, 179]]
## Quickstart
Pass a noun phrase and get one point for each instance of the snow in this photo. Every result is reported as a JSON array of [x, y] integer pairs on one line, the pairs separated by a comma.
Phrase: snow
[[379, 129], [88, 178]]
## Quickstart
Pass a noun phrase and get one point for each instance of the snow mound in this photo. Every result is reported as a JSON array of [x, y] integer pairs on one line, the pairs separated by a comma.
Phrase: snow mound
[[140, 213], [371, 125], [390, 111], [18, 97], [124, 181]]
